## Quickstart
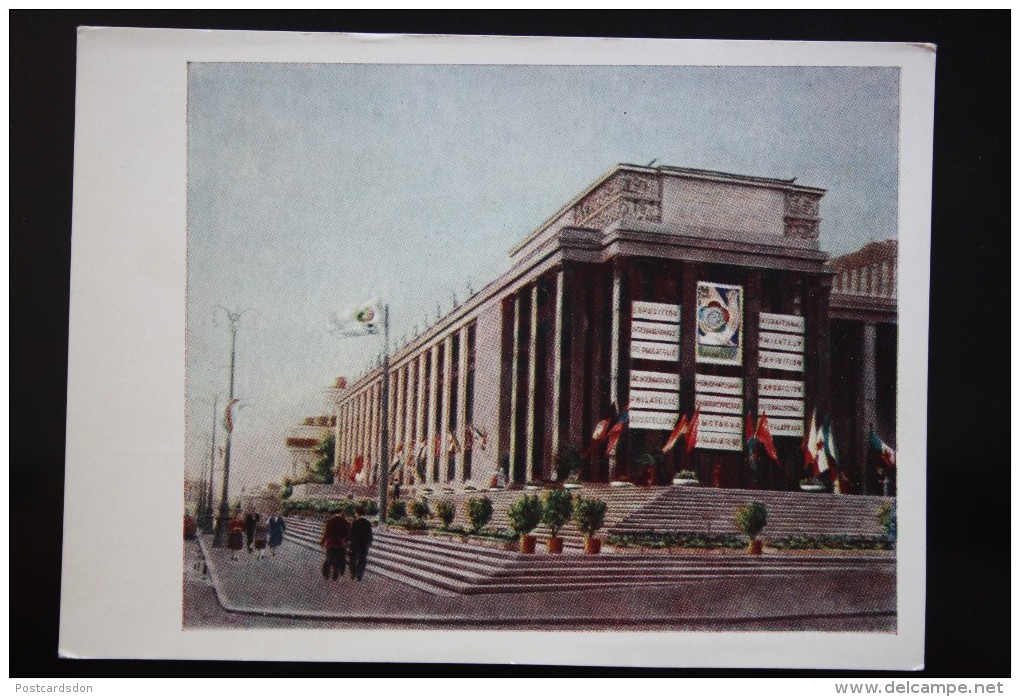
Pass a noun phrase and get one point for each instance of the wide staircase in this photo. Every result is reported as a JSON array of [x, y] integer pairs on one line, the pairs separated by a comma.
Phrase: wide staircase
[[450, 567], [711, 512]]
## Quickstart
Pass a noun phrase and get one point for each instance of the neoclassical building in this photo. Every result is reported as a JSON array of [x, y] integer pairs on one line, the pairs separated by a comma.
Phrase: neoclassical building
[[657, 291]]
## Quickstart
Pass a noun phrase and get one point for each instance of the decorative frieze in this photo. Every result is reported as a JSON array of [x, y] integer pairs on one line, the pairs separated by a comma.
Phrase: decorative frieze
[[802, 229], [802, 205], [628, 195]]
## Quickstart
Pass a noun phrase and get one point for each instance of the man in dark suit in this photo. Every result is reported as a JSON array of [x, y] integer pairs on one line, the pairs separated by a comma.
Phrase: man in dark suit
[[334, 539], [250, 521], [361, 539]]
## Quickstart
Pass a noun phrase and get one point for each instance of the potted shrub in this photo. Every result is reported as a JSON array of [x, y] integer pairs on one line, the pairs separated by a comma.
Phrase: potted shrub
[[524, 514], [479, 512], [653, 466], [812, 484], [568, 467], [686, 478], [419, 509], [751, 519], [445, 513], [557, 507], [398, 510], [589, 516]]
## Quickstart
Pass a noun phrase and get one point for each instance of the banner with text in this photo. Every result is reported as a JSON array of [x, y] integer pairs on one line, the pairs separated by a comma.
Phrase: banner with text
[[652, 420], [718, 384]]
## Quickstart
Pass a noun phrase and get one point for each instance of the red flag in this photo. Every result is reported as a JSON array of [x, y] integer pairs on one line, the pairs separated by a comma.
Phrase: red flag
[[764, 436], [228, 416], [679, 430], [437, 447], [692, 430], [359, 464], [614, 438]]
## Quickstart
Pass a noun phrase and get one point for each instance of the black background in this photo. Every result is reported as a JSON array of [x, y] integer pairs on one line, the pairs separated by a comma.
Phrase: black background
[[968, 598]]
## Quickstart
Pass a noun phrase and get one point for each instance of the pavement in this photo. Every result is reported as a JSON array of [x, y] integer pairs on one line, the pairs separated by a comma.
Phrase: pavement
[[287, 590]]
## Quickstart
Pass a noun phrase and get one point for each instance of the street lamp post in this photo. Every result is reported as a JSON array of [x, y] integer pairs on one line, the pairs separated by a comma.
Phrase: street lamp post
[[223, 517], [205, 521]]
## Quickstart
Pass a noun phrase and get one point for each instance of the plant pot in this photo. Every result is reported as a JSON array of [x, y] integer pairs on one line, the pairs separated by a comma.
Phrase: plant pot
[[812, 487], [555, 545], [571, 485], [527, 544], [755, 547], [592, 545], [686, 482]]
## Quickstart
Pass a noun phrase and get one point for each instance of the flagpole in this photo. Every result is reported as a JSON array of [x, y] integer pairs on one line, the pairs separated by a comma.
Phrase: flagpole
[[384, 464]]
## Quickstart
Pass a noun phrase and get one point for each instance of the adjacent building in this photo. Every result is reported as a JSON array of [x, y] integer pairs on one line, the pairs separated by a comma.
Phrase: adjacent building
[[657, 291]]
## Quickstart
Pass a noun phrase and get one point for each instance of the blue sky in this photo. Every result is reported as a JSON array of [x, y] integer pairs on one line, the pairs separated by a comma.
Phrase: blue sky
[[312, 187]]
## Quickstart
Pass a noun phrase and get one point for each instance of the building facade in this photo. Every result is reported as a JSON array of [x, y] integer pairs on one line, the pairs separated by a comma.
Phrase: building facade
[[864, 348], [658, 291]]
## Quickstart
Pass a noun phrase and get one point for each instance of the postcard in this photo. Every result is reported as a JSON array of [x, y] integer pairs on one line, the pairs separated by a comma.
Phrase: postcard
[[498, 350]]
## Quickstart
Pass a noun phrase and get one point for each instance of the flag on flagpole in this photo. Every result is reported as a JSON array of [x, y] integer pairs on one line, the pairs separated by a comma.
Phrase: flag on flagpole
[[228, 415], [830, 443], [808, 447], [453, 445], [764, 436], [617, 430], [678, 431], [750, 440], [692, 430], [601, 429], [437, 445], [481, 436], [363, 320], [818, 448], [887, 454]]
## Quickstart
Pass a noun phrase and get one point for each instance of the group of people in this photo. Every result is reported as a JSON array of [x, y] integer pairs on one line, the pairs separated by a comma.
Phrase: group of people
[[346, 544], [256, 534]]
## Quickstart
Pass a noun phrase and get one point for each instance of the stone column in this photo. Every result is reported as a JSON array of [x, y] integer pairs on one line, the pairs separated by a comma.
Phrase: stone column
[[430, 466], [444, 418], [419, 412], [514, 384], [407, 436], [358, 436], [866, 395], [371, 433], [557, 380], [578, 329], [529, 432], [343, 425], [461, 426], [614, 356], [396, 415], [751, 329]]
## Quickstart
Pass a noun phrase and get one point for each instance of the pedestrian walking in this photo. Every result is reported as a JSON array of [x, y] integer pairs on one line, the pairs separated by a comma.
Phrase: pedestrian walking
[[361, 540], [250, 521], [261, 537], [235, 536], [276, 529], [334, 539]]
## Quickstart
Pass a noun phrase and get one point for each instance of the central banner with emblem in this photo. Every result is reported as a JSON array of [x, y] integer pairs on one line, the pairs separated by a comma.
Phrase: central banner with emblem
[[719, 335]]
